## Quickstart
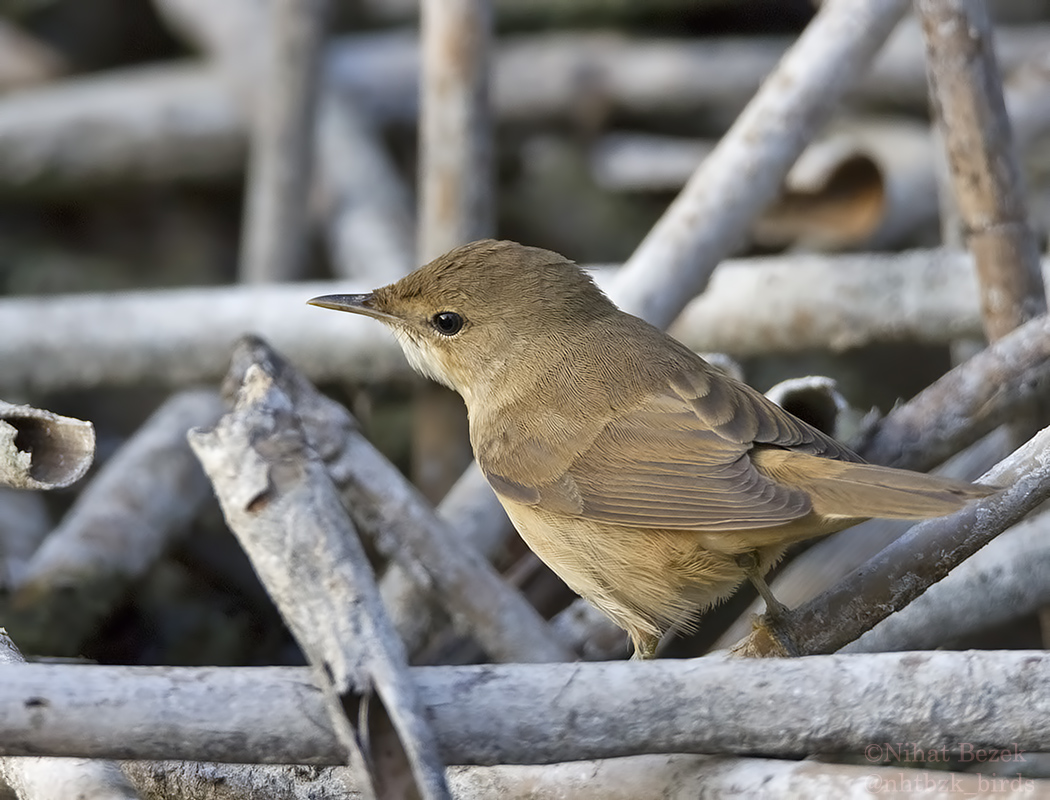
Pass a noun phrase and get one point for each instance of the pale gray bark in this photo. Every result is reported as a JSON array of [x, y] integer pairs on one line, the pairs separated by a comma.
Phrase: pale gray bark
[[185, 122], [779, 304], [652, 777], [548, 713], [743, 174], [278, 499], [123, 521], [179, 336], [33, 778], [42, 450], [763, 305], [174, 122], [1002, 583], [471, 510]]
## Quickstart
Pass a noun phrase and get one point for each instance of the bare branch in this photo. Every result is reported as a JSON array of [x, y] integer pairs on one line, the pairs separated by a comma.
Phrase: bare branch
[[275, 217], [58, 779], [1007, 379], [277, 497], [148, 124], [968, 101], [142, 499], [743, 174], [548, 713], [1002, 583], [456, 178], [43, 450]]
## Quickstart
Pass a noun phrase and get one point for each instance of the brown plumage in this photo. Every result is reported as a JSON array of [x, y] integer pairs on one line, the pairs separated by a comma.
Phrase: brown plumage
[[635, 470]]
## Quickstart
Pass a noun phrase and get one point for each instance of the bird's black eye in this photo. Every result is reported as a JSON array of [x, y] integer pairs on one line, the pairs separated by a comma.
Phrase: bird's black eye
[[447, 323]]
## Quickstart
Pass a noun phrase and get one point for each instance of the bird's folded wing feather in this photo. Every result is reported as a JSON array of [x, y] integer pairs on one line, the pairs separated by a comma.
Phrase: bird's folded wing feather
[[680, 460]]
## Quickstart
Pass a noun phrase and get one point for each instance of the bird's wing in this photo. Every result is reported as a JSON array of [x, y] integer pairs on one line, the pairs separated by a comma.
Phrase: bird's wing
[[679, 459]]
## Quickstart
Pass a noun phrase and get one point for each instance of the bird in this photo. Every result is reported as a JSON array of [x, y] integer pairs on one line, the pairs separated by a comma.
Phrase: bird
[[651, 482]]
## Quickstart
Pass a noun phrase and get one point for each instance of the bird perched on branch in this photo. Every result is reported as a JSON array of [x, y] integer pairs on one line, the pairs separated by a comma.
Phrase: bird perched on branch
[[652, 483]]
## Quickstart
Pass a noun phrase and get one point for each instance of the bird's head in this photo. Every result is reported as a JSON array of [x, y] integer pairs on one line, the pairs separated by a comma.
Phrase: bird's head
[[473, 316]]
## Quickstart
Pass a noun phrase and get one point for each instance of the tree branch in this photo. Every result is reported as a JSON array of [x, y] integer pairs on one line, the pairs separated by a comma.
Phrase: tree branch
[[278, 499]]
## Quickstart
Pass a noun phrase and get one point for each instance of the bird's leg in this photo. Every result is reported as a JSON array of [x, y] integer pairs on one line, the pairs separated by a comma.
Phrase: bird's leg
[[776, 612], [749, 563], [644, 646]]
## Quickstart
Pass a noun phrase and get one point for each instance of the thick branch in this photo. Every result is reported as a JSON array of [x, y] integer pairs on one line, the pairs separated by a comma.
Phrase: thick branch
[[172, 337], [546, 713], [57, 779], [278, 499]]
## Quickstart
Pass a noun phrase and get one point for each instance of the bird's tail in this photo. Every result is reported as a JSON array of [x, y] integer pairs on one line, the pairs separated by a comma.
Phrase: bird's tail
[[857, 491]]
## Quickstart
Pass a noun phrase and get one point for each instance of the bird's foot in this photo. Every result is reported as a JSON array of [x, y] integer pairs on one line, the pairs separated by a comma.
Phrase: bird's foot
[[776, 620]]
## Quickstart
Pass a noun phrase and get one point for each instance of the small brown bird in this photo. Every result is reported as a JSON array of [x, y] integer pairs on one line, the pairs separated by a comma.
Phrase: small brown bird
[[652, 483]]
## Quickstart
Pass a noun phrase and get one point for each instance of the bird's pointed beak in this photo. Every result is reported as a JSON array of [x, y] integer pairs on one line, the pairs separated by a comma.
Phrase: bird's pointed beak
[[354, 303]]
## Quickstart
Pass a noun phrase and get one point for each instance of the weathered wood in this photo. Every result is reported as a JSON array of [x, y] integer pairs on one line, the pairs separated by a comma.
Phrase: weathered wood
[[967, 93], [278, 499], [141, 500], [547, 713], [58, 778], [744, 172], [42, 450], [275, 229]]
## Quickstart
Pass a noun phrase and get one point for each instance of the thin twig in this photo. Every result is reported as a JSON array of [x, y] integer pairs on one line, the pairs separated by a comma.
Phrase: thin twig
[[1002, 583]]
